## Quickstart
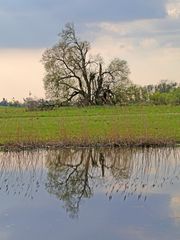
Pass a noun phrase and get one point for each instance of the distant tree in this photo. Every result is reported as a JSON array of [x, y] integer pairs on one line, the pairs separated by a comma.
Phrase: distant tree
[[147, 91], [33, 104], [176, 96], [165, 86], [14, 103], [4, 102], [131, 94], [165, 98], [160, 98], [72, 74]]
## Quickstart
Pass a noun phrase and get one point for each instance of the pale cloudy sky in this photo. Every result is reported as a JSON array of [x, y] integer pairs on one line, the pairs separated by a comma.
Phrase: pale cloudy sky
[[145, 33]]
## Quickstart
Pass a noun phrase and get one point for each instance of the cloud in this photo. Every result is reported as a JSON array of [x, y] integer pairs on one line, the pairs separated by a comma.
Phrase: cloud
[[36, 23], [151, 51], [91, 10], [148, 43], [5, 235], [173, 9], [145, 33], [162, 30]]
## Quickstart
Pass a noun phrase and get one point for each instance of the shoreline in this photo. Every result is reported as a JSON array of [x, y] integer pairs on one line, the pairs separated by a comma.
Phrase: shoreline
[[25, 146]]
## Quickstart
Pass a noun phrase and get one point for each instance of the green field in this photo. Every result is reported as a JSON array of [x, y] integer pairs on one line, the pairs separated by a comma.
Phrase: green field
[[90, 125]]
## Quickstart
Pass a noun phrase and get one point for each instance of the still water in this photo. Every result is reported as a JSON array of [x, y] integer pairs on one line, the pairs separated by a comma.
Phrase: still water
[[92, 194]]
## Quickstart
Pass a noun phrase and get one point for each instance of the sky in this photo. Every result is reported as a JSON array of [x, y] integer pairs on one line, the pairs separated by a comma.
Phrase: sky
[[145, 33]]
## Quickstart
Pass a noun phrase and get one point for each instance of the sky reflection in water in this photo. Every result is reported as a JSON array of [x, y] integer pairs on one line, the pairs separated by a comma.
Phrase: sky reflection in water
[[90, 194]]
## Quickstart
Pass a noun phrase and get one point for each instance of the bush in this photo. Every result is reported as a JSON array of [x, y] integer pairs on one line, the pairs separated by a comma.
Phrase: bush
[[38, 104]]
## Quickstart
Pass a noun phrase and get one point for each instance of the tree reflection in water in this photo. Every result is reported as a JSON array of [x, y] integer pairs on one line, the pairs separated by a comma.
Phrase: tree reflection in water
[[73, 175], [68, 177]]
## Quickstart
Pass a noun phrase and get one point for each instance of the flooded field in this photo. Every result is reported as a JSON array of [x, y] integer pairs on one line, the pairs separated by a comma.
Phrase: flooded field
[[90, 194]]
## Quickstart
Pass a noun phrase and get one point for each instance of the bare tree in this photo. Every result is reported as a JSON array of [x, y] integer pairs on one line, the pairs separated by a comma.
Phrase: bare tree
[[73, 74]]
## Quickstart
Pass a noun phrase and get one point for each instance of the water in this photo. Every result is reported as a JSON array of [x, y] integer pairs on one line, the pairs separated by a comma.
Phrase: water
[[90, 194]]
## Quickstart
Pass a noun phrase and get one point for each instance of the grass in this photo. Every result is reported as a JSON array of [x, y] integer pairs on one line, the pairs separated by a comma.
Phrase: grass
[[132, 125]]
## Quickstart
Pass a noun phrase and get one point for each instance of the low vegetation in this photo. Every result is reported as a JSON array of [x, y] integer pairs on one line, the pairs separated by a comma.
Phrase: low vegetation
[[115, 126]]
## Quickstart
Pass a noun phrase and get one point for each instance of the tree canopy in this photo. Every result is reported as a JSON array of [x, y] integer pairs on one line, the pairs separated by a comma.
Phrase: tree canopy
[[74, 75]]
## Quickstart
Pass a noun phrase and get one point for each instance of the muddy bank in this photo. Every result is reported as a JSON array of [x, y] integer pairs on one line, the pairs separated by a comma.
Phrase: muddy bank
[[20, 146]]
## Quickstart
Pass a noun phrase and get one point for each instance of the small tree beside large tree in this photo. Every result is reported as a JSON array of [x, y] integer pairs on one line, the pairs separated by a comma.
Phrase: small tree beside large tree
[[74, 75]]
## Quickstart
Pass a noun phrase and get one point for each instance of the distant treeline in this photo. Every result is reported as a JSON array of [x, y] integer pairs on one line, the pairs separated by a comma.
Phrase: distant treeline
[[12, 103], [30, 103], [163, 93]]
